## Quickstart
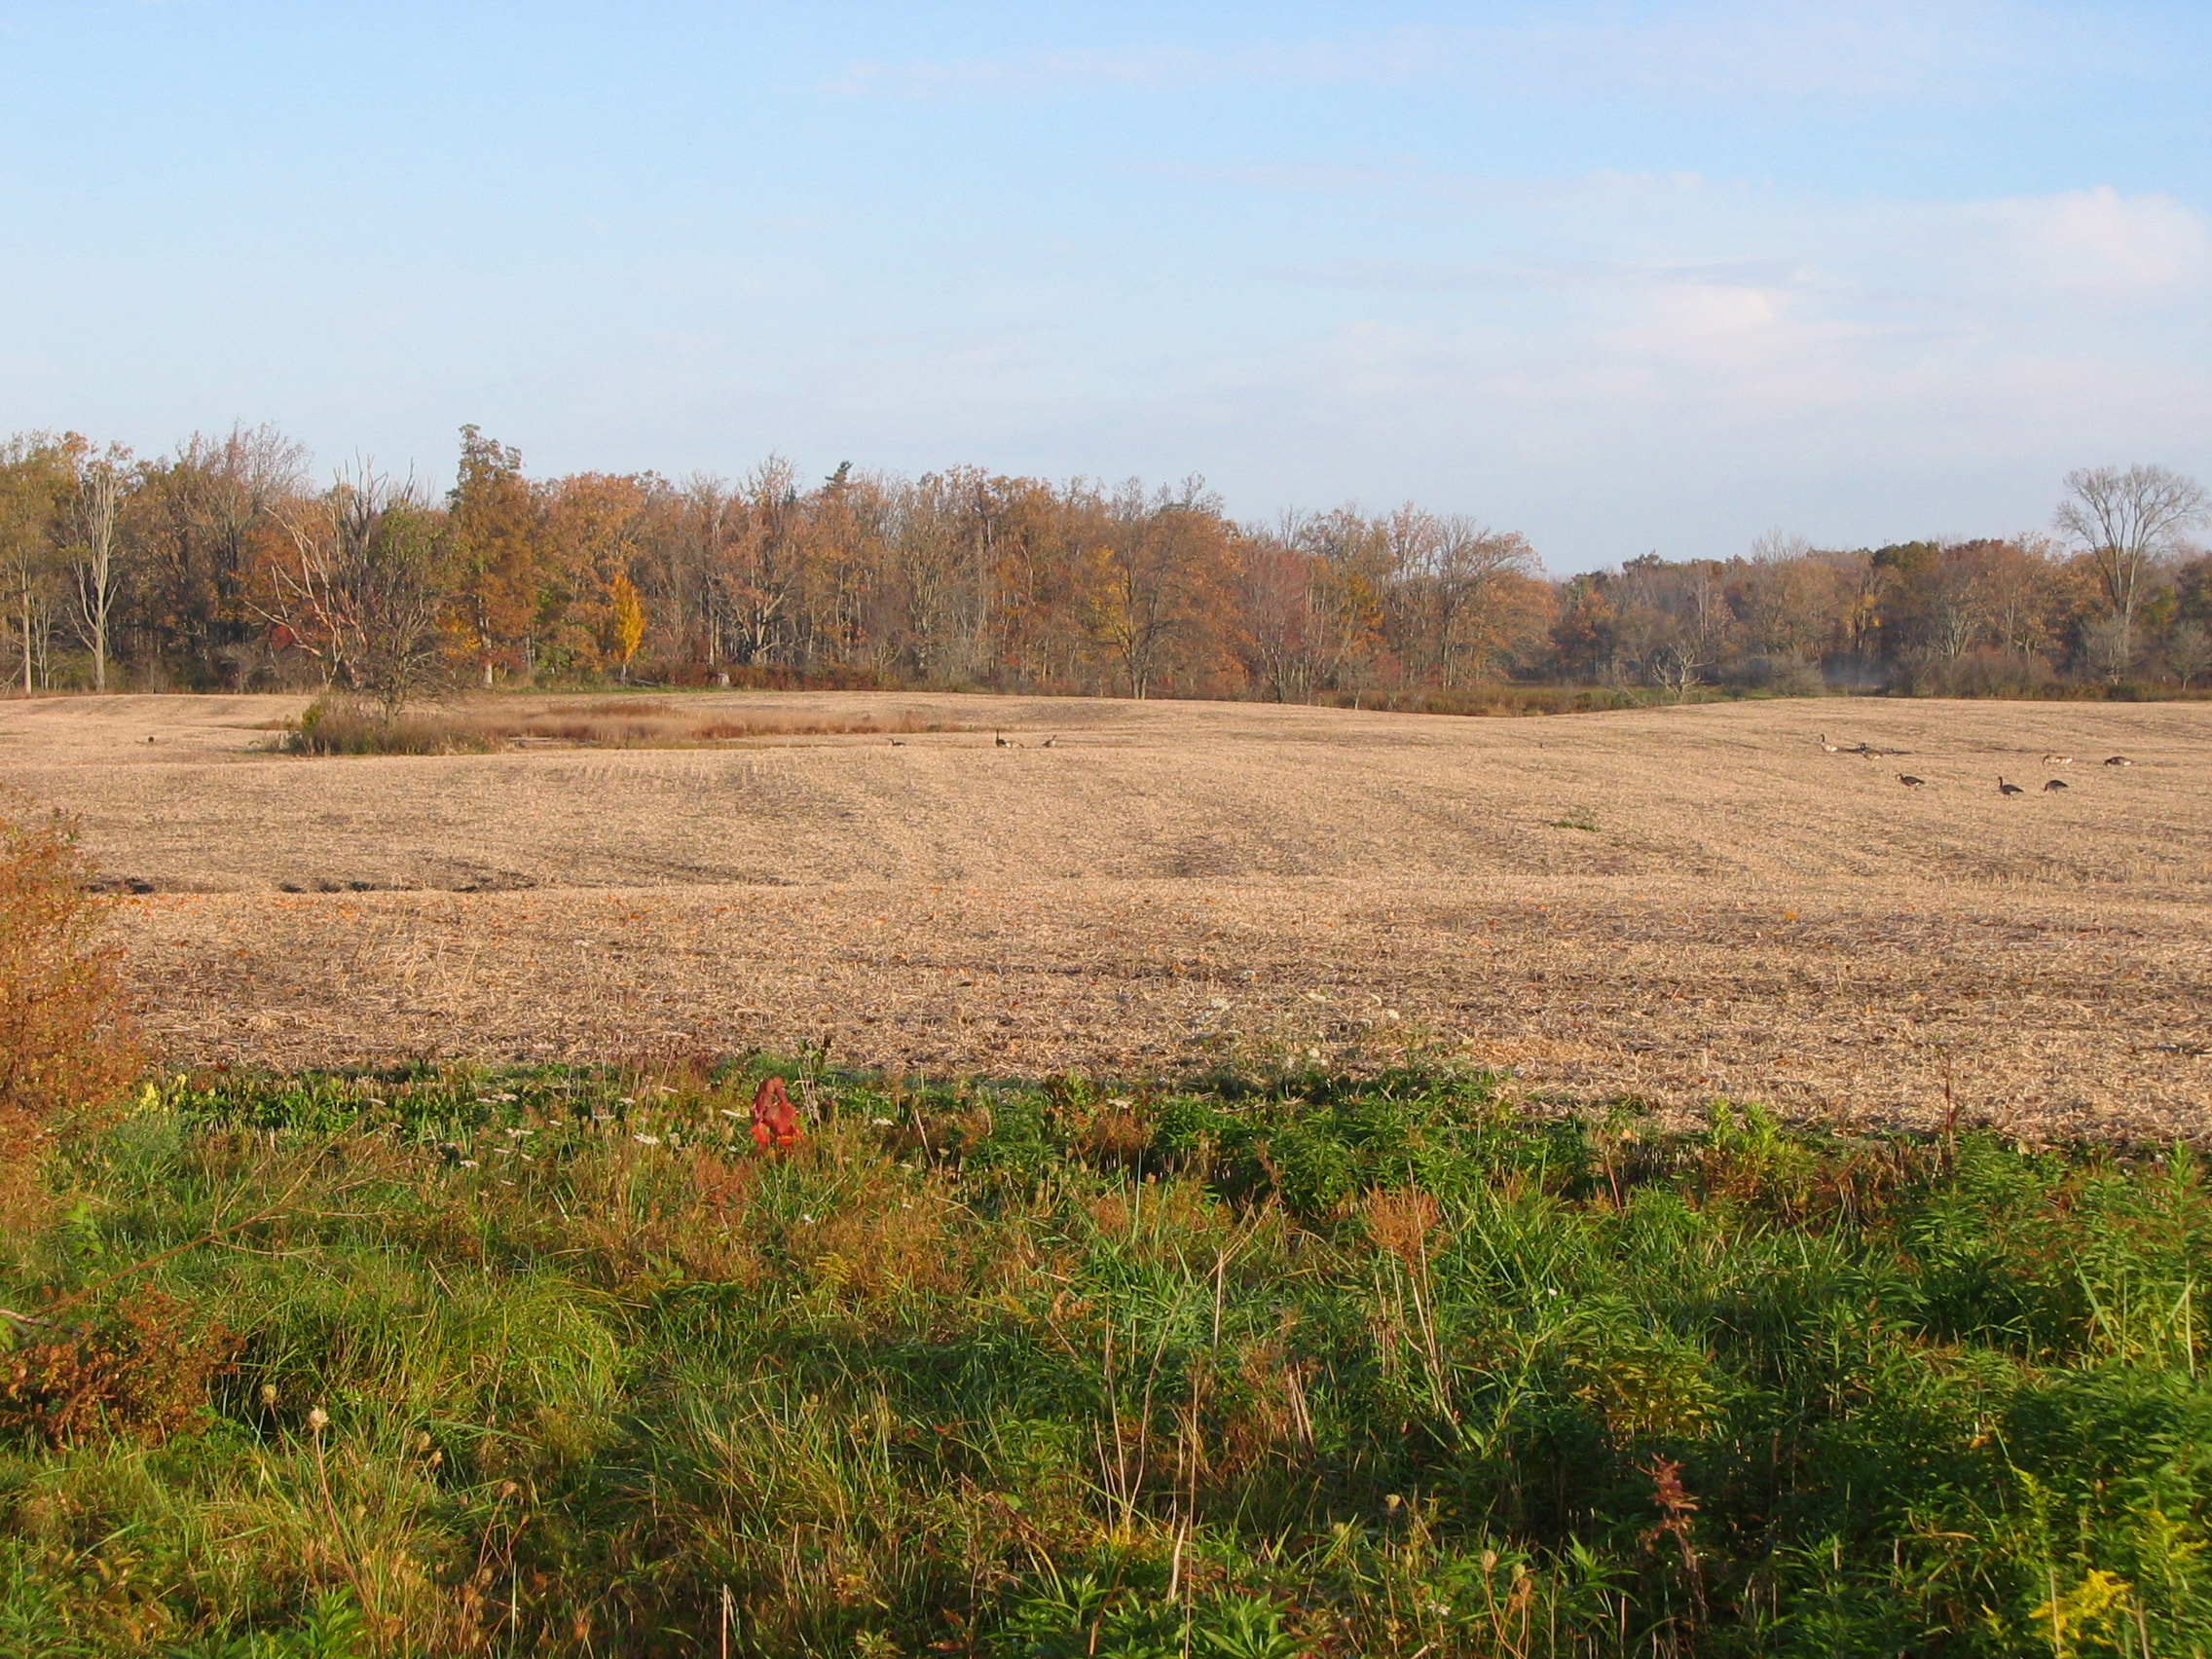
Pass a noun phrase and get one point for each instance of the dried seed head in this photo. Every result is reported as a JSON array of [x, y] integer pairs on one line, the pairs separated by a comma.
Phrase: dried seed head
[[268, 1393], [318, 1420]]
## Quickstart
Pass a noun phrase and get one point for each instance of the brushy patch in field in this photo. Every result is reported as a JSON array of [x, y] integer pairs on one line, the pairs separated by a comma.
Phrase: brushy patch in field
[[559, 1362], [65, 1039], [343, 726]]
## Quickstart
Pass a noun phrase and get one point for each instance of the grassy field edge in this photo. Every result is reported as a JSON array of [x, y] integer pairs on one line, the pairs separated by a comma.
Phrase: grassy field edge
[[561, 1360]]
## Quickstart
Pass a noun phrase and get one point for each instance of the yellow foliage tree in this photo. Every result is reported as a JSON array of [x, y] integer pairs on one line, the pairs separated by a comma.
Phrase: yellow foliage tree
[[628, 616]]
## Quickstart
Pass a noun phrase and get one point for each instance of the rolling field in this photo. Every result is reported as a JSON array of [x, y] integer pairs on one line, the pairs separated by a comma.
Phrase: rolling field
[[1673, 903]]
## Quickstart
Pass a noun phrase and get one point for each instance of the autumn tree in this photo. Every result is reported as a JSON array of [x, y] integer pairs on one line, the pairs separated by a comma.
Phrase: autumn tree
[[497, 526], [1790, 606], [220, 565], [1348, 568], [204, 530], [842, 608], [1156, 579], [1672, 623], [1274, 639], [596, 525], [626, 619], [1464, 596]]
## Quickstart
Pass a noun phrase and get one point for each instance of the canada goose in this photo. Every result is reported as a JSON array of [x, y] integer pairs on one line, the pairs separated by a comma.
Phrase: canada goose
[[1827, 748], [2005, 789], [897, 743], [1048, 742], [1910, 781], [2117, 761], [2058, 759], [1000, 741], [2054, 784]]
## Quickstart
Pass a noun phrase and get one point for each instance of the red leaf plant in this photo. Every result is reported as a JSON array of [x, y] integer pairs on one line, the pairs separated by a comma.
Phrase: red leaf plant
[[775, 1125]]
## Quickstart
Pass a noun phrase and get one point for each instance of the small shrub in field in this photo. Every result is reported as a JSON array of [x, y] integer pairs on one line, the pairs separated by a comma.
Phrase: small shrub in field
[[339, 725], [139, 1372], [63, 1033]]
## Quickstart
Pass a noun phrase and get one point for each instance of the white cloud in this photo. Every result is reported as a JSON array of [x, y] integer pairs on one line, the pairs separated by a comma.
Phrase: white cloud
[[2101, 244]]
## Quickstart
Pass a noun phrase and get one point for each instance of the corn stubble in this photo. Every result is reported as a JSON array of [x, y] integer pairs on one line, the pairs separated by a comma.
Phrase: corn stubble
[[1674, 903], [562, 1362]]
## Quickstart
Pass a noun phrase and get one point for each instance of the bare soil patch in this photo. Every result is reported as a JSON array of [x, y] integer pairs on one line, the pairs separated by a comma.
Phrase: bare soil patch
[[1675, 903]]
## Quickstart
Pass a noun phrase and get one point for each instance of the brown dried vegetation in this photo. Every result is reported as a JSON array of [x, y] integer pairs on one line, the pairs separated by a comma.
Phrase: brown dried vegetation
[[482, 726], [66, 1038], [140, 1370]]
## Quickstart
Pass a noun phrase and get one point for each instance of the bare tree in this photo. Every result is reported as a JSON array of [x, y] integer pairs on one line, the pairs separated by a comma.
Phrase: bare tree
[[1347, 574], [1677, 666], [704, 512], [2188, 652], [2126, 520], [1672, 622], [765, 561], [364, 588], [101, 483], [1960, 602]]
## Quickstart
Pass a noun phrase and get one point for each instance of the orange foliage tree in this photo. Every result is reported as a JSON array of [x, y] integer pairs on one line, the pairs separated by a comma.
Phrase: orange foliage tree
[[64, 1036]]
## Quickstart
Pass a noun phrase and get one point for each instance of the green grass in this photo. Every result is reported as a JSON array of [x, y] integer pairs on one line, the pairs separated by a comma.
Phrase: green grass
[[553, 1362]]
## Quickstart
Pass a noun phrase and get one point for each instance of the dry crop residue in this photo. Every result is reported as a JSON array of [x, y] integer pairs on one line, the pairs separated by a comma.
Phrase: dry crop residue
[[1675, 903]]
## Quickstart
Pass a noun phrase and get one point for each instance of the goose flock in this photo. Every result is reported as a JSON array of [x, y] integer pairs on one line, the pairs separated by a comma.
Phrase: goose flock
[[2005, 787]]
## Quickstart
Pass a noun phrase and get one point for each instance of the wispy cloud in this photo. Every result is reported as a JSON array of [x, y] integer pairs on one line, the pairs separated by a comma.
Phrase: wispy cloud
[[1544, 275], [1733, 49], [1631, 233]]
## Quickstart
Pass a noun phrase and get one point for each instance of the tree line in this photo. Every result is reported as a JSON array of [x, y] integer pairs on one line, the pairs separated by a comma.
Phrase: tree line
[[227, 564]]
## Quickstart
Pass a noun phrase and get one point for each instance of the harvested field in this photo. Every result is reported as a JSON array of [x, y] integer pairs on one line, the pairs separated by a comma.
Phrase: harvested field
[[1673, 903]]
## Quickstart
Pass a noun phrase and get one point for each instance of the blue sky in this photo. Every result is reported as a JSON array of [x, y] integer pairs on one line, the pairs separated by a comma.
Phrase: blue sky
[[1624, 277]]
